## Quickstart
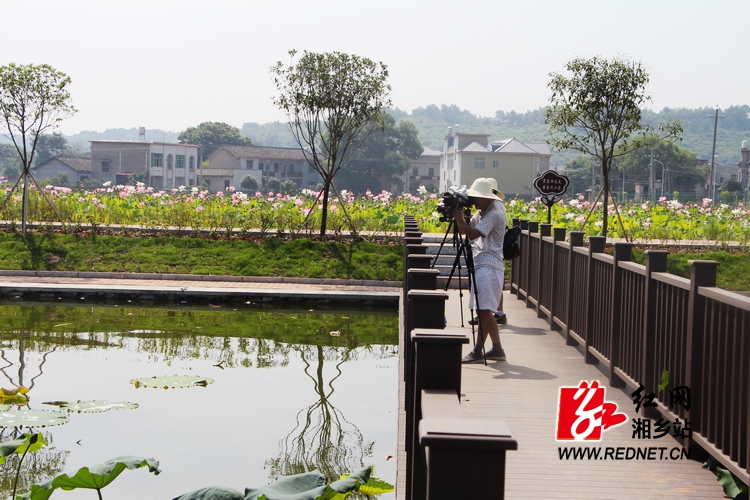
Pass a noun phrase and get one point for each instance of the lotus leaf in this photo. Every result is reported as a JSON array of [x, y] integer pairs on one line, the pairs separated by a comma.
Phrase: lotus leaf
[[32, 418], [30, 442], [308, 485], [172, 382], [96, 406], [212, 493], [95, 478]]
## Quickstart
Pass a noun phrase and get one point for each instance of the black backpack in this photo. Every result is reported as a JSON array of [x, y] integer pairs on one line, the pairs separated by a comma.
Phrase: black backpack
[[511, 249]]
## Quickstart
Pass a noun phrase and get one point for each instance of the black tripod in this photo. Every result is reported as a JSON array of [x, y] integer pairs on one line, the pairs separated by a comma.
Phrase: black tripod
[[463, 248]]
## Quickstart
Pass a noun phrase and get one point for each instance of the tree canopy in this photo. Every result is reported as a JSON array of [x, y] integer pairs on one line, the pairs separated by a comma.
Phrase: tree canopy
[[54, 145], [382, 156], [33, 98], [333, 102], [211, 135], [596, 110], [677, 165]]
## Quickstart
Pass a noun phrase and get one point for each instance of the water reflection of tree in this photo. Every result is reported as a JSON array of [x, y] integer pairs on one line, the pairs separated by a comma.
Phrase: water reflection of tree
[[35, 468], [323, 438]]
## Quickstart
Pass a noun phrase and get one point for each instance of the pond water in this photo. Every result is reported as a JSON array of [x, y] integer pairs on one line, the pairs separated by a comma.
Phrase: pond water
[[292, 390]]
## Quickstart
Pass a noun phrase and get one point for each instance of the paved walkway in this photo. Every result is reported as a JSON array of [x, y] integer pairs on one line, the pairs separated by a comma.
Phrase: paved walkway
[[523, 391]]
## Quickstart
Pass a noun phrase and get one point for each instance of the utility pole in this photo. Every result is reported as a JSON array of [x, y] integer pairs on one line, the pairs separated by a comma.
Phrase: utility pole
[[712, 176], [651, 178]]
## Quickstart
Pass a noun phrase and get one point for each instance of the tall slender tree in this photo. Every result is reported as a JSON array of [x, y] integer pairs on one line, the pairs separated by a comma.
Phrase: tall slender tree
[[597, 110], [333, 102], [33, 98]]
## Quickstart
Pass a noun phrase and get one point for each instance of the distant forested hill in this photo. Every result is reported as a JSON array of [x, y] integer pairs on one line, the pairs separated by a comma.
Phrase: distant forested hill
[[433, 121]]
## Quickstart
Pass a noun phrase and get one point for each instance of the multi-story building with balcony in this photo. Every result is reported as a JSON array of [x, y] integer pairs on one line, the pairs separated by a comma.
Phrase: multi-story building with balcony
[[166, 164]]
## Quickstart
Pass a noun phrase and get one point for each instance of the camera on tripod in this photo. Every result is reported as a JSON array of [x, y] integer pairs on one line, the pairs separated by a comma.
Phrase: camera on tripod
[[454, 197]]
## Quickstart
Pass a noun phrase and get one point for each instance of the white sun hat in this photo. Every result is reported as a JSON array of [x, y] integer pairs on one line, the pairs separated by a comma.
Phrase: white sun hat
[[498, 193], [481, 188]]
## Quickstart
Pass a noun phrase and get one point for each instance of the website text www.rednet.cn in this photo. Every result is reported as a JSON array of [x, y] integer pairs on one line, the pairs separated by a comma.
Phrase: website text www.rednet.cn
[[623, 453]]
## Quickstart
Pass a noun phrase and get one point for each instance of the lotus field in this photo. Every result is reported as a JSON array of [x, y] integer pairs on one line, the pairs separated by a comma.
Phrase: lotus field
[[118, 208]]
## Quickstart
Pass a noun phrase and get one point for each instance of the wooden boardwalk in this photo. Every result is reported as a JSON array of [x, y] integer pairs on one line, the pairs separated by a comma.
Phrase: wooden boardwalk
[[523, 391]]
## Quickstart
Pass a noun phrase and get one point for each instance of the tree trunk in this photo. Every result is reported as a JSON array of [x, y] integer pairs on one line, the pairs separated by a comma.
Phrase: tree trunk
[[605, 205], [324, 215], [25, 201]]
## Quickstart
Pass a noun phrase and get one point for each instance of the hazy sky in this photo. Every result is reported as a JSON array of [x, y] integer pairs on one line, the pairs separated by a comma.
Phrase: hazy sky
[[171, 64]]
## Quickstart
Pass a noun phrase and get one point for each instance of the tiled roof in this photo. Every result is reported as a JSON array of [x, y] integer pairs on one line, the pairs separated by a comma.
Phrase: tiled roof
[[541, 148], [511, 146], [217, 172], [77, 164], [474, 147], [265, 153], [431, 152]]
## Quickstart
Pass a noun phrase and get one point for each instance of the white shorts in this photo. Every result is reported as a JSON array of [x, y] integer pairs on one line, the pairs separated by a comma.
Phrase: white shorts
[[490, 288]]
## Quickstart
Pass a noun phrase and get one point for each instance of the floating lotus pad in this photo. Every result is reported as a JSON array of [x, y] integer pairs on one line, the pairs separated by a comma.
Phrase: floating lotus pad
[[96, 406], [32, 418], [172, 382]]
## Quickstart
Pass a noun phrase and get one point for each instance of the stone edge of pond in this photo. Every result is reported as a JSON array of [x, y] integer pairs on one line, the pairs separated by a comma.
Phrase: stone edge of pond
[[200, 277]]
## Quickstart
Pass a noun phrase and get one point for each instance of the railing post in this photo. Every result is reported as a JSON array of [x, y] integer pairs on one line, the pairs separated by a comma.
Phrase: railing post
[[576, 240], [529, 268], [545, 230], [437, 365], [466, 458], [425, 309], [596, 245], [558, 234], [702, 273], [656, 262], [514, 265], [623, 252]]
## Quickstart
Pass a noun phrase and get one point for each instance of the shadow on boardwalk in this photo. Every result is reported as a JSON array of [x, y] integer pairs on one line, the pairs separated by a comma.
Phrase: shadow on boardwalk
[[523, 391]]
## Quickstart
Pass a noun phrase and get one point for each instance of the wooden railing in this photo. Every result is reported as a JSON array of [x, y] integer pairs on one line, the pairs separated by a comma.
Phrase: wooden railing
[[446, 456], [639, 322]]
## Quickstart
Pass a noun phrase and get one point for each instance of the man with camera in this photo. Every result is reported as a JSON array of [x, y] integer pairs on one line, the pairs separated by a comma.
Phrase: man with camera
[[486, 230]]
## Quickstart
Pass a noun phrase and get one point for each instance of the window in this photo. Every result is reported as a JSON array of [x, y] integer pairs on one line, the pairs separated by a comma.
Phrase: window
[[310, 169], [495, 163], [478, 163], [190, 182], [226, 184], [261, 165], [291, 167], [275, 167], [192, 164], [84, 177], [432, 172], [179, 161], [157, 160], [105, 166], [208, 183], [169, 161], [414, 170], [248, 164]]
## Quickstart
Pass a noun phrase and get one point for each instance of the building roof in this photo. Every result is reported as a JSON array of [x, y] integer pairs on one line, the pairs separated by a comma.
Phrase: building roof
[[145, 143], [263, 152], [512, 146], [474, 147], [431, 152], [217, 172], [77, 164]]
